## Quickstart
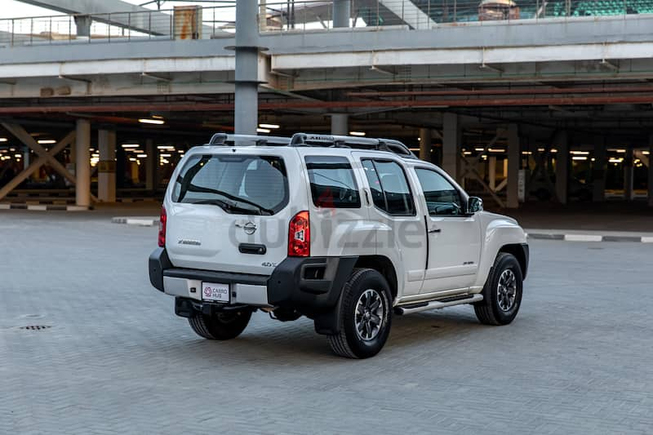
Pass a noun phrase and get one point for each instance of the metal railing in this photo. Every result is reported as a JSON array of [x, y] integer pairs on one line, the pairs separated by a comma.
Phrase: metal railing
[[281, 16], [189, 23]]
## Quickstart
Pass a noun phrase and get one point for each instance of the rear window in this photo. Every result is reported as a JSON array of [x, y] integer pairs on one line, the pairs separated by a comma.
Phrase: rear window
[[332, 182], [237, 184]]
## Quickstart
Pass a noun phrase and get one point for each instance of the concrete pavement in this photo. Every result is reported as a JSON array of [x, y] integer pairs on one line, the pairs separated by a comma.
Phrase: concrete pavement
[[115, 359]]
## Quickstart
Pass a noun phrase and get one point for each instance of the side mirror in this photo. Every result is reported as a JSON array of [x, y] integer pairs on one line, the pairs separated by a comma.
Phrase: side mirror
[[474, 204]]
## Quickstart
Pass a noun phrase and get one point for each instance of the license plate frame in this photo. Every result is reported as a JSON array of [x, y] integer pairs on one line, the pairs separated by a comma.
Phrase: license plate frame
[[216, 292]]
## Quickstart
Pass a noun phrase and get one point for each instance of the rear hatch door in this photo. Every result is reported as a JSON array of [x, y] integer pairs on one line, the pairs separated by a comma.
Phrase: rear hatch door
[[229, 208]]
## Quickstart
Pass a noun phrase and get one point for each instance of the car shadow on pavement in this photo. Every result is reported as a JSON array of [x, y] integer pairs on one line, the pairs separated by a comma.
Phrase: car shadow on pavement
[[297, 342]]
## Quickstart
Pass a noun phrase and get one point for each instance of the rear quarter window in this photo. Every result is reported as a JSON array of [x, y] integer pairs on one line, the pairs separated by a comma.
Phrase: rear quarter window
[[332, 182]]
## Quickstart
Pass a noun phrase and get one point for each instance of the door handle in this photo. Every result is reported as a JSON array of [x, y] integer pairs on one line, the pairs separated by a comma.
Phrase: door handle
[[435, 230], [367, 197]]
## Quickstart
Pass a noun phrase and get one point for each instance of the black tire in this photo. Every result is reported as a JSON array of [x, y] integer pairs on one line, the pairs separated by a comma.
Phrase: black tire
[[223, 325], [366, 286], [495, 308]]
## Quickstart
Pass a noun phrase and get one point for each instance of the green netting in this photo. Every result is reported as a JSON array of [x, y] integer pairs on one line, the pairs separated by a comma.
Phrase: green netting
[[442, 11]]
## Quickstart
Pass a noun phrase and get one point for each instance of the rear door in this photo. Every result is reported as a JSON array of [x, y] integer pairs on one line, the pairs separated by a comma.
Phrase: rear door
[[400, 234], [229, 208]]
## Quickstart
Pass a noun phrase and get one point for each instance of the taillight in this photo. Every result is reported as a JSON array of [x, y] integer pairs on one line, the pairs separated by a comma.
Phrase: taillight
[[162, 227], [299, 235]]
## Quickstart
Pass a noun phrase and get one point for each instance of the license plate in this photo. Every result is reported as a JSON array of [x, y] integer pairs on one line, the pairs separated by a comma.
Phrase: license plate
[[216, 292]]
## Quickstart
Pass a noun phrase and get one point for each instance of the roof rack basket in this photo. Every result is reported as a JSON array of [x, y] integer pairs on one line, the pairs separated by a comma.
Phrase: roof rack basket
[[223, 139], [320, 140]]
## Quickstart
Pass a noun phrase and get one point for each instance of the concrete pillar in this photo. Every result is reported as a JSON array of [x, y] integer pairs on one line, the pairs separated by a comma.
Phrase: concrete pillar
[[246, 75], [561, 142], [599, 169], [83, 23], [262, 16], [107, 166], [514, 162], [341, 13], [340, 124], [492, 172], [451, 136], [650, 171], [83, 163], [25, 157], [629, 172], [151, 165], [425, 144]]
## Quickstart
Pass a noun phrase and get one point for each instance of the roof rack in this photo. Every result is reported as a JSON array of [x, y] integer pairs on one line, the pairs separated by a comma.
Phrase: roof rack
[[324, 140], [224, 139]]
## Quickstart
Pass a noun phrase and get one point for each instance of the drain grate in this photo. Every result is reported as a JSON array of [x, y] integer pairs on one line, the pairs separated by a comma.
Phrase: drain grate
[[35, 327]]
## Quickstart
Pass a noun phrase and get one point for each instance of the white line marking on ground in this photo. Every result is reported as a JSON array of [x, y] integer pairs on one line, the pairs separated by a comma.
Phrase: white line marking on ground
[[583, 238], [143, 222], [37, 207]]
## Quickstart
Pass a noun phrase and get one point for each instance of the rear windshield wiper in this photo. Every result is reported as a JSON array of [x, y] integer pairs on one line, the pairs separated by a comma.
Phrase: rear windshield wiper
[[229, 206], [260, 209]]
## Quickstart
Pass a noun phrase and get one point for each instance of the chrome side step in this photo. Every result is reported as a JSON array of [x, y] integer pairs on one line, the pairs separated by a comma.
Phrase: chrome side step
[[447, 302]]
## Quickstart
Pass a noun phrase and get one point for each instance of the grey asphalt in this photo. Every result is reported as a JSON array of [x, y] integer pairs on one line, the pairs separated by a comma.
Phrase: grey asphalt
[[116, 360]]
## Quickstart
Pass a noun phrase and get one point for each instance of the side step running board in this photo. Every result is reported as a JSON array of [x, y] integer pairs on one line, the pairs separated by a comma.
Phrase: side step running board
[[424, 306]]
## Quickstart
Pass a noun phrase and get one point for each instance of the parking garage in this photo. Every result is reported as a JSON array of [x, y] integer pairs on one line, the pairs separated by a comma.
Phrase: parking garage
[[514, 116]]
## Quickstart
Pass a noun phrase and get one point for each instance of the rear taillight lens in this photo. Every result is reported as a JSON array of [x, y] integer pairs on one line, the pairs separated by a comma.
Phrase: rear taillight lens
[[299, 235], [162, 227]]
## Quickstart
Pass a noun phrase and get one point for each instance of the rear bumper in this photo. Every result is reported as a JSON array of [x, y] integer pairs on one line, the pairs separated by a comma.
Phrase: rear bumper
[[310, 285]]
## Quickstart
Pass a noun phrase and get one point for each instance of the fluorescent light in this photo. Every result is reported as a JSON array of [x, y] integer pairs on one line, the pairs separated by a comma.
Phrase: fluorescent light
[[541, 150], [3, 139], [496, 150], [616, 160], [479, 149], [357, 133], [262, 130], [46, 141], [18, 156], [580, 153], [269, 125], [579, 158], [141, 156], [526, 153], [165, 147], [165, 155], [467, 153], [151, 121], [130, 145], [553, 150], [646, 153], [157, 116]]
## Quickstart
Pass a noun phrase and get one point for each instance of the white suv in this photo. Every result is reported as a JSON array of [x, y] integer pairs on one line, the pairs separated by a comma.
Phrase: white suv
[[344, 230]]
